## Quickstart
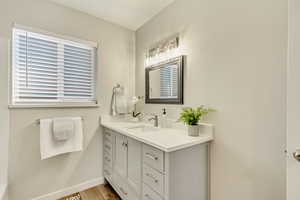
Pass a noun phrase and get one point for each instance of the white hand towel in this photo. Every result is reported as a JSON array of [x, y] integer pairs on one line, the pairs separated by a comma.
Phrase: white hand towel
[[50, 147], [121, 104], [63, 128]]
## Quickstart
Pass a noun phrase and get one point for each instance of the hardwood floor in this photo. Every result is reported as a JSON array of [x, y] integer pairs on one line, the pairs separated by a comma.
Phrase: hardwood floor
[[101, 192]]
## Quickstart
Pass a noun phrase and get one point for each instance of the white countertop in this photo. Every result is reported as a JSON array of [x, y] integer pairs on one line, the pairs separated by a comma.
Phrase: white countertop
[[165, 139]]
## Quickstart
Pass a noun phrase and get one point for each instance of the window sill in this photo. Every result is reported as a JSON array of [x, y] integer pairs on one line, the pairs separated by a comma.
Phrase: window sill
[[27, 106]]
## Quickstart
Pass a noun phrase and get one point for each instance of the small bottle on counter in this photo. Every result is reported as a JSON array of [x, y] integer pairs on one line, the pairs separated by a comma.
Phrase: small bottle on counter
[[164, 119]]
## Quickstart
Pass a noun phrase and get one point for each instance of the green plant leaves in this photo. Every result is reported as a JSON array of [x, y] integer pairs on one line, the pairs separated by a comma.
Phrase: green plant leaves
[[192, 116]]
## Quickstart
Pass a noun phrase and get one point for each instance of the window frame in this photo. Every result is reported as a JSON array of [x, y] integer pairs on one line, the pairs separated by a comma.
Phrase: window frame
[[58, 104]]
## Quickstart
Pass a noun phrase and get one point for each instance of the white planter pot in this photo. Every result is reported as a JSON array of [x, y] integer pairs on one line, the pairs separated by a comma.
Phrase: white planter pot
[[193, 130]]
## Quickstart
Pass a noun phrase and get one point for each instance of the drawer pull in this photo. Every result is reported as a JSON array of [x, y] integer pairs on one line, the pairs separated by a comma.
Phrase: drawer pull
[[107, 172], [152, 177], [148, 196], [122, 190], [107, 159], [153, 157], [107, 147]]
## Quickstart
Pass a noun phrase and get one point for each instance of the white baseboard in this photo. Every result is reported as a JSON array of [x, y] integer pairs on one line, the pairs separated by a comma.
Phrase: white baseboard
[[71, 190]]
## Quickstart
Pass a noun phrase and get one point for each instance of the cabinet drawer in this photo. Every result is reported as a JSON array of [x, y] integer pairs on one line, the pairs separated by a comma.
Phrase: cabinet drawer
[[108, 135], [153, 179], [108, 147], [149, 194], [153, 157], [124, 190], [107, 172], [107, 159]]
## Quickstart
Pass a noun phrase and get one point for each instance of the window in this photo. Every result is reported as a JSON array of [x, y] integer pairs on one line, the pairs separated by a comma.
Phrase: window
[[169, 82], [51, 70]]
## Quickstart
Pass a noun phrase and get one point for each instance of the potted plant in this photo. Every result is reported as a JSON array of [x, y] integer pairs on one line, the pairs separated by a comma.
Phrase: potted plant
[[191, 117]]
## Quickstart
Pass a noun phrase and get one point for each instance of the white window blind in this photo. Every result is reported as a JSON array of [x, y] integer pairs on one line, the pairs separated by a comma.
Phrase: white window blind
[[169, 82], [51, 70]]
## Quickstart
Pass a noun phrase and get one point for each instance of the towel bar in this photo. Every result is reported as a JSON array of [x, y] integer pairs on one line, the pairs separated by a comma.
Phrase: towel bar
[[38, 121]]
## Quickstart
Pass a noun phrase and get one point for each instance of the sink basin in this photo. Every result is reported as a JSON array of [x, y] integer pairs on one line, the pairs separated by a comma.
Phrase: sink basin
[[144, 128]]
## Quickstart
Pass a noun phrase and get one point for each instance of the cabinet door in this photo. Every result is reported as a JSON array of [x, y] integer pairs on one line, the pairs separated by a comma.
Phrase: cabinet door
[[120, 164], [134, 164]]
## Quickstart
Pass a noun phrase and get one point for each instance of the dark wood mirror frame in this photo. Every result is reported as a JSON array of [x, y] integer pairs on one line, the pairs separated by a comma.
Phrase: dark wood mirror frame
[[179, 61]]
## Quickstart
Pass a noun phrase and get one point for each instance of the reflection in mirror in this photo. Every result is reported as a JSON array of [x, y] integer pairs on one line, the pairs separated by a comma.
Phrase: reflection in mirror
[[164, 82]]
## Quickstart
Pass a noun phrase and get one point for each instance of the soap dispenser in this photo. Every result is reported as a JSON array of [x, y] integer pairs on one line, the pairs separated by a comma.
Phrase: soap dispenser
[[164, 119]]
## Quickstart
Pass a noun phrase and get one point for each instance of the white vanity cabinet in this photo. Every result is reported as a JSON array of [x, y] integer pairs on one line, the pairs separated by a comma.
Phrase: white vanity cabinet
[[140, 171], [120, 155], [126, 166]]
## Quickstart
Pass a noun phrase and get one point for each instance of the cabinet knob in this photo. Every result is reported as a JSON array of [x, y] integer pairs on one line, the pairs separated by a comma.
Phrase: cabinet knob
[[152, 177], [153, 157], [296, 155], [125, 144]]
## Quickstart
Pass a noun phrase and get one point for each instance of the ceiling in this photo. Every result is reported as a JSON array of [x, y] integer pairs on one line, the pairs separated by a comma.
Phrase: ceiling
[[131, 14]]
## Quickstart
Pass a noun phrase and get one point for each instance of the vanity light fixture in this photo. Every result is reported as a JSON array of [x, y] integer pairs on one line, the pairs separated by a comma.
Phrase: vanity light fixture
[[164, 51]]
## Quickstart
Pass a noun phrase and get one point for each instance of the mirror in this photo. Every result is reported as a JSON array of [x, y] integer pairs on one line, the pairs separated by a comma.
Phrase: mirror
[[164, 82]]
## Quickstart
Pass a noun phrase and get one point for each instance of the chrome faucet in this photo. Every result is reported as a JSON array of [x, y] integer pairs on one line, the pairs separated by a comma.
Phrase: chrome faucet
[[155, 119]]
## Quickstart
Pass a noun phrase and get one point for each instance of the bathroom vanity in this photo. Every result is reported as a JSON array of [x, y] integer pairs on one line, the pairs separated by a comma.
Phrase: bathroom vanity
[[143, 162]]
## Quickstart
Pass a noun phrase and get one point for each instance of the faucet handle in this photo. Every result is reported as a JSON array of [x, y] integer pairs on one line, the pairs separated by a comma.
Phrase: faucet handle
[[151, 118], [154, 116]]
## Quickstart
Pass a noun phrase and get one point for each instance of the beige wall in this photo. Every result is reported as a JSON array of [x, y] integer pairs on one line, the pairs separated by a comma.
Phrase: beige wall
[[28, 175], [236, 62], [293, 98], [4, 113]]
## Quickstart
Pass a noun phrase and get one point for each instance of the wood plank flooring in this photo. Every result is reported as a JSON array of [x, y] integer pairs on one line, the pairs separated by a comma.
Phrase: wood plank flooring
[[101, 192]]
